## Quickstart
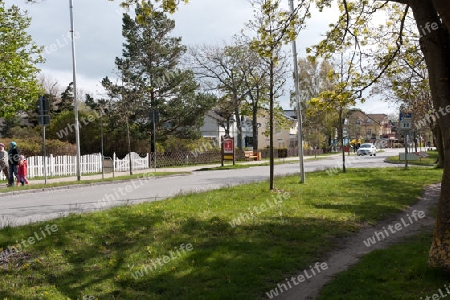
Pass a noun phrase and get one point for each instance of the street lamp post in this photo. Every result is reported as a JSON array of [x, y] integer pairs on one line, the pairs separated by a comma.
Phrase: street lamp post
[[299, 107], [75, 102], [101, 138], [233, 121]]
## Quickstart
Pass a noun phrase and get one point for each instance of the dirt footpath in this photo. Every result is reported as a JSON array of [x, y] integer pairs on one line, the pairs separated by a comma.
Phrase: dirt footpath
[[409, 222]]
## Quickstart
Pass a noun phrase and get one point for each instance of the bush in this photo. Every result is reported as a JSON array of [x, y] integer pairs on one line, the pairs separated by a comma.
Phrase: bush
[[33, 147], [25, 133], [282, 152], [174, 144]]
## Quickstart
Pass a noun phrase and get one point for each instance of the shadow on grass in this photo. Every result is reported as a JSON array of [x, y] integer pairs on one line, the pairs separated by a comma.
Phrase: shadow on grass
[[98, 253], [398, 272], [225, 261]]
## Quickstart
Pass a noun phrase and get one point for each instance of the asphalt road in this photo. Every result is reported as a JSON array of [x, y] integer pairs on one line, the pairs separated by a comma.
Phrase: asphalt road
[[18, 208]]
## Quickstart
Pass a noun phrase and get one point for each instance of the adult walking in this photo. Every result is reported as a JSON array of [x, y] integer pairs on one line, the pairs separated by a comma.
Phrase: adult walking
[[13, 160], [4, 161]]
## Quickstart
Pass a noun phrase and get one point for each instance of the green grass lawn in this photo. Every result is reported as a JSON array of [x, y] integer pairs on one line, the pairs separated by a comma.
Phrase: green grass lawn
[[425, 161], [245, 239], [399, 272], [264, 162], [231, 167], [245, 166]]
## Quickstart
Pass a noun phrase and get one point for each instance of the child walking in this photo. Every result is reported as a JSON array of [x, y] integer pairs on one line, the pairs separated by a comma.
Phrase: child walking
[[22, 171]]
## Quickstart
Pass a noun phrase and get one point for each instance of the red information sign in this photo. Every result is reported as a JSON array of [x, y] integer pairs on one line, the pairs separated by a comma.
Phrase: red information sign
[[227, 149], [228, 146]]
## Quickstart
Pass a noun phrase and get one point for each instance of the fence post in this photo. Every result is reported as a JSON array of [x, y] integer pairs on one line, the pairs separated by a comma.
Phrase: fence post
[[51, 164], [101, 164], [114, 162]]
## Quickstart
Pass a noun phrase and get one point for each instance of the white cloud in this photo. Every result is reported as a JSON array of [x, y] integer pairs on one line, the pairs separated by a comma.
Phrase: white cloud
[[98, 29], [378, 106], [90, 85]]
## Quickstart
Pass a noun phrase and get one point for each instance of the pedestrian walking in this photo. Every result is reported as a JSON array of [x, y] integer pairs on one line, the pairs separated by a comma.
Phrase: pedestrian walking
[[13, 161], [4, 161], [22, 171]]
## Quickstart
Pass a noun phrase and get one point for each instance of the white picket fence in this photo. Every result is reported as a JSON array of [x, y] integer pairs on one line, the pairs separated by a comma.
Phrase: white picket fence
[[138, 163], [92, 163]]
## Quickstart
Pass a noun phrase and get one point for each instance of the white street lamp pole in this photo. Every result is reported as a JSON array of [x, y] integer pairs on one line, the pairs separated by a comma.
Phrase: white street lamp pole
[[75, 102], [299, 107]]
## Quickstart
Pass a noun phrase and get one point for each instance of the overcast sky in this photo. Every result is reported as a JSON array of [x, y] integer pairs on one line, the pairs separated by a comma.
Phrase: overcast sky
[[98, 36]]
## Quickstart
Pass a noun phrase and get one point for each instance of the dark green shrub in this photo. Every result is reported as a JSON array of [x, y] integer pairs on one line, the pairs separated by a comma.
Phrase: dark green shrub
[[282, 152], [33, 147]]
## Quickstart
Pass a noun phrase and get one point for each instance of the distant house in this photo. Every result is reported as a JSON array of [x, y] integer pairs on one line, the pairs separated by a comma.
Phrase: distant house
[[212, 128], [385, 127], [372, 128], [293, 131], [283, 137]]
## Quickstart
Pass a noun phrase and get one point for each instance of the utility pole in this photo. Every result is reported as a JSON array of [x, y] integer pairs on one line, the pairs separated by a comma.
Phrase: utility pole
[[101, 138], [43, 108], [154, 114], [75, 102], [299, 107]]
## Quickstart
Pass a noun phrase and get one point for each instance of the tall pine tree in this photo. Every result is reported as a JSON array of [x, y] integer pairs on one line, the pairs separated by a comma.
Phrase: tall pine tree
[[150, 78]]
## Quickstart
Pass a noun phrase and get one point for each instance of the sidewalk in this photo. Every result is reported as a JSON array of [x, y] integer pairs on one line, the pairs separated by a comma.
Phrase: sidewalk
[[186, 169]]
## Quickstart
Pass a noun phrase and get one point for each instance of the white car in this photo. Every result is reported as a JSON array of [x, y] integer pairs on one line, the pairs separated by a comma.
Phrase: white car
[[367, 149]]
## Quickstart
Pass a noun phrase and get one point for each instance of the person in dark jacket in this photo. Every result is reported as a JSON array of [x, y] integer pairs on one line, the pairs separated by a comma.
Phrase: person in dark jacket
[[13, 160]]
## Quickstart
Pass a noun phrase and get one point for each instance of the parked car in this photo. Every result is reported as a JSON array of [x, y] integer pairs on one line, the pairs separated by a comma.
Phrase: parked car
[[367, 149]]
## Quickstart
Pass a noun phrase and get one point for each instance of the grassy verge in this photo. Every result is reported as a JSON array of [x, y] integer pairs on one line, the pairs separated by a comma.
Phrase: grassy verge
[[399, 272], [425, 161], [32, 185], [264, 162], [245, 166], [232, 167], [243, 240]]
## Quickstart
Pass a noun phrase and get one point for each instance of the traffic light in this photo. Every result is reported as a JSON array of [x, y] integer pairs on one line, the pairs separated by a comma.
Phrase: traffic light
[[43, 107]]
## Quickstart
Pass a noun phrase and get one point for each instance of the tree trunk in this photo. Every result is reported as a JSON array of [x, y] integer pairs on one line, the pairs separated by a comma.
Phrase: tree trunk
[[328, 146], [439, 142], [238, 127], [435, 46], [341, 134], [255, 126], [129, 146], [443, 7], [227, 128], [271, 84]]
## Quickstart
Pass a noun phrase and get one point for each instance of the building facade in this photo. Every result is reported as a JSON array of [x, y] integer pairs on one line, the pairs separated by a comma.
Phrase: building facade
[[368, 128]]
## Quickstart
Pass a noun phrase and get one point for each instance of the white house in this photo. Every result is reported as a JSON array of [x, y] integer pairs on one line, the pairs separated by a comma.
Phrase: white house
[[214, 127]]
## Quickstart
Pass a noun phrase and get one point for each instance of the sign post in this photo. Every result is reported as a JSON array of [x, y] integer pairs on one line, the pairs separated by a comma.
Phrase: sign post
[[406, 120], [405, 124], [154, 116], [43, 108], [228, 152]]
